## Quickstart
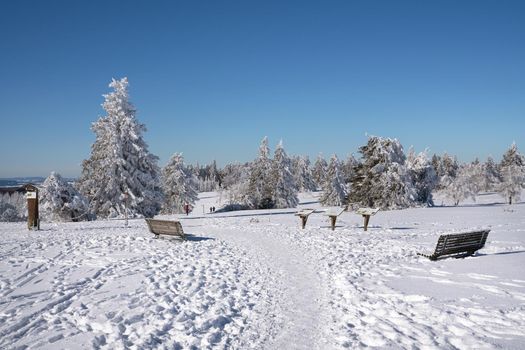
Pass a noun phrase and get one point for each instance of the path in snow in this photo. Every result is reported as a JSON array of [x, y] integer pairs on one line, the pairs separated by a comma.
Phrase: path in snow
[[300, 312]]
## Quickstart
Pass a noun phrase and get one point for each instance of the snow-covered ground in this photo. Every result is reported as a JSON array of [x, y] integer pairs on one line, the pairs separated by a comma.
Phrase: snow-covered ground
[[254, 279]]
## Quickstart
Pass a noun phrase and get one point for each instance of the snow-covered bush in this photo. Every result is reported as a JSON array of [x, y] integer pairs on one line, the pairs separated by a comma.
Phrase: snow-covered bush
[[9, 213], [121, 174], [491, 176], [334, 189], [463, 185], [381, 179], [60, 201], [179, 185]]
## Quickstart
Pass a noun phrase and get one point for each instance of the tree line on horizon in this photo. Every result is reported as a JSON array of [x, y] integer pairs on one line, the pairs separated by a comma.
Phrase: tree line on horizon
[[122, 177]]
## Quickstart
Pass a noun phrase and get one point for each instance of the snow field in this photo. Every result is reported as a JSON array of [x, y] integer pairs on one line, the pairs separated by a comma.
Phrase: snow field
[[254, 279]]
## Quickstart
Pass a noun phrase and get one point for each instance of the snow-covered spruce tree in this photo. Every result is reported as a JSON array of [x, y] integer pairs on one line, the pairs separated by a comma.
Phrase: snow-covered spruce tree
[[319, 170], [347, 169], [60, 201], [303, 174], [512, 168], [447, 170], [381, 179], [259, 188], [423, 175], [463, 185], [491, 175], [513, 182], [283, 182], [179, 184], [334, 189], [121, 174]]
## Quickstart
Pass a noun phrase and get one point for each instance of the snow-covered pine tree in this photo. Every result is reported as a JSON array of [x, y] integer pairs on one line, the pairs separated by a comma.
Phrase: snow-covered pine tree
[[334, 189], [512, 168], [463, 185], [121, 174], [303, 174], [347, 169], [60, 201], [423, 175], [381, 179], [512, 157], [179, 184], [259, 188], [491, 175], [283, 182], [319, 170], [448, 170]]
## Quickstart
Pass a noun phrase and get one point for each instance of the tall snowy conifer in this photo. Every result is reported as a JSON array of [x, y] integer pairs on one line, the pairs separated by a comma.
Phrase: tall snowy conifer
[[121, 174], [319, 170], [303, 174], [423, 175], [381, 179], [512, 170], [284, 185], [259, 188], [179, 184], [334, 189], [60, 201], [491, 175]]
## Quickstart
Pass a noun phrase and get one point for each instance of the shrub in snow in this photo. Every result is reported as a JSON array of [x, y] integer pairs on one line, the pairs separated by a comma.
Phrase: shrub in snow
[[423, 176], [283, 182], [334, 189], [347, 168], [447, 170], [60, 201], [381, 179], [179, 184], [463, 185], [121, 174], [9, 213]]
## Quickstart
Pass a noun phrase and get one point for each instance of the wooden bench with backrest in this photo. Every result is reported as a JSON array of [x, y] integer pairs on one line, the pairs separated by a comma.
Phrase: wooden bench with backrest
[[459, 243], [165, 227]]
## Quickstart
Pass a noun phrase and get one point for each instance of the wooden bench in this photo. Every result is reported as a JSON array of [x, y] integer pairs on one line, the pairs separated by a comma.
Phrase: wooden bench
[[303, 215], [333, 214], [366, 213], [454, 244], [165, 227]]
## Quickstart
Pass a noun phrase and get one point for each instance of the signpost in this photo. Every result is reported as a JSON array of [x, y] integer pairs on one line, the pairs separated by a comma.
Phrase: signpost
[[366, 213], [33, 220]]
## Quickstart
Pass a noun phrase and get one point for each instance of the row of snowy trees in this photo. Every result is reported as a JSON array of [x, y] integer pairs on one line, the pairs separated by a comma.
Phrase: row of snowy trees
[[121, 177]]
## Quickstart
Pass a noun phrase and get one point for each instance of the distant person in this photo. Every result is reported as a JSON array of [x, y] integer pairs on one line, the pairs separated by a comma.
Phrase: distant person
[[187, 208], [213, 209]]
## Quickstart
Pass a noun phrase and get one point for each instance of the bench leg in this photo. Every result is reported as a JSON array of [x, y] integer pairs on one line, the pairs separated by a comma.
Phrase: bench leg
[[157, 236], [332, 221], [367, 219]]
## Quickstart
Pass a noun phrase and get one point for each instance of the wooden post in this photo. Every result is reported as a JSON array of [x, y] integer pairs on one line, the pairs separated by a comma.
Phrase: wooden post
[[333, 218], [304, 218], [367, 218], [33, 220]]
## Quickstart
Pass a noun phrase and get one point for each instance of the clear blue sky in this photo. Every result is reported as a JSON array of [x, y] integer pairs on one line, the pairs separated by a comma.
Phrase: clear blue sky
[[211, 78]]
